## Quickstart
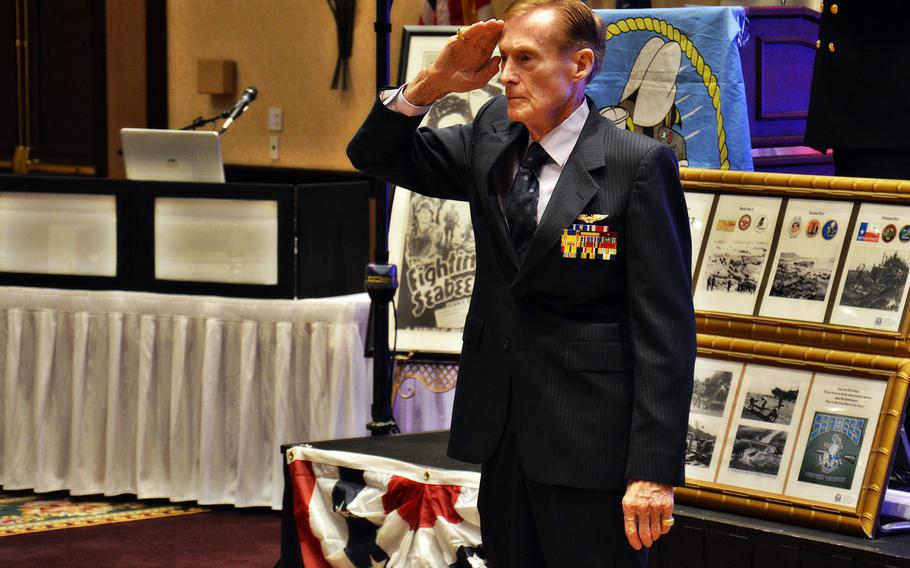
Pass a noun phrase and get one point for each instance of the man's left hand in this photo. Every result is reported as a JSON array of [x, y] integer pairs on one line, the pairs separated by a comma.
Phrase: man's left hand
[[645, 506]]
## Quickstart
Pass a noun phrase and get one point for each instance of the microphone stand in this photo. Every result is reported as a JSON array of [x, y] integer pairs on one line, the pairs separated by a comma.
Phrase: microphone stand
[[200, 121], [381, 279]]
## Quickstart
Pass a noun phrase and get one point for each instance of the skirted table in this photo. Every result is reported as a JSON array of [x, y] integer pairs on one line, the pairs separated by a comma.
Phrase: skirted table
[[179, 397]]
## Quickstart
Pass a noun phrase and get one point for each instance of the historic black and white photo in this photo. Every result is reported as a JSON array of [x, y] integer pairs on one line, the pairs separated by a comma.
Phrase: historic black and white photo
[[437, 270], [875, 279], [802, 277], [710, 391], [775, 405], [734, 267], [701, 440], [758, 450]]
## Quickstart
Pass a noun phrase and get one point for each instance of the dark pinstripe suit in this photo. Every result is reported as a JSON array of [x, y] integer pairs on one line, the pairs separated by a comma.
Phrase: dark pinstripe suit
[[595, 357]]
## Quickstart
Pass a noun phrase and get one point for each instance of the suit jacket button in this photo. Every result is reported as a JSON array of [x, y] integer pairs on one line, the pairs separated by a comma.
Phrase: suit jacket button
[[831, 47], [505, 344]]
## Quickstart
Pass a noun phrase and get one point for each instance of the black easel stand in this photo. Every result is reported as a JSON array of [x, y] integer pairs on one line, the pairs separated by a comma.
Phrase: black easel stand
[[381, 280], [902, 454]]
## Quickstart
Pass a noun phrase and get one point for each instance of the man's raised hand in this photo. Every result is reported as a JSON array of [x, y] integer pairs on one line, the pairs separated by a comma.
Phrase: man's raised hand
[[465, 63]]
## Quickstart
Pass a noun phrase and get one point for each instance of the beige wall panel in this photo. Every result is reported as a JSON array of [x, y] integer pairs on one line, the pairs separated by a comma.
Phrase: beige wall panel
[[126, 89], [287, 50]]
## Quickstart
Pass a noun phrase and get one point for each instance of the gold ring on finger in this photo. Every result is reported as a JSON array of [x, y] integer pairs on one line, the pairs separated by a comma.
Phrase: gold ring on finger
[[460, 35], [668, 522]]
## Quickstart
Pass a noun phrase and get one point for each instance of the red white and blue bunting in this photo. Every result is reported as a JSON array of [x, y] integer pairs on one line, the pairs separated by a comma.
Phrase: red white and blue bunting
[[362, 511]]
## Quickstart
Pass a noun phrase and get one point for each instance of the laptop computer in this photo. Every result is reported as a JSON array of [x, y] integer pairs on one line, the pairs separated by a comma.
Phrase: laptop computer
[[172, 155]]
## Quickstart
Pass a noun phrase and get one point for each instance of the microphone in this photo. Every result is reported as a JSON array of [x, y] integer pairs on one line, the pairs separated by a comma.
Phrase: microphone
[[248, 96]]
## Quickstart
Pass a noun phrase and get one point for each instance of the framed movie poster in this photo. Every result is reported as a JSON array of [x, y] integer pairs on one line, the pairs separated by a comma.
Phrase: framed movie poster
[[715, 386], [432, 240], [873, 287], [736, 254], [808, 253], [699, 206], [834, 444], [434, 246], [763, 427]]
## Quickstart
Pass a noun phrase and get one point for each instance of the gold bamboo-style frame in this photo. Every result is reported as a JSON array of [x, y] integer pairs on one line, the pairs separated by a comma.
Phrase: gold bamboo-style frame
[[802, 186], [860, 520]]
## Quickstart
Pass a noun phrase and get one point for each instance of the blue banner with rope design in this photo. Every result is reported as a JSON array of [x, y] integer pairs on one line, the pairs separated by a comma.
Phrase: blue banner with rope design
[[675, 74]]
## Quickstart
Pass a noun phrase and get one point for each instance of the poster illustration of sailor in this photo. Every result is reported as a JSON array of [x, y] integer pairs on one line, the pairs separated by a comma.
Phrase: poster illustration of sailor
[[833, 449], [809, 249], [835, 440], [675, 75], [763, 429], [873, 287], [736, 254]]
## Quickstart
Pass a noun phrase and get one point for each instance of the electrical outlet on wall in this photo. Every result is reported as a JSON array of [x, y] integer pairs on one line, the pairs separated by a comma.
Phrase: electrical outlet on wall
[[273, 146], [275, 119]]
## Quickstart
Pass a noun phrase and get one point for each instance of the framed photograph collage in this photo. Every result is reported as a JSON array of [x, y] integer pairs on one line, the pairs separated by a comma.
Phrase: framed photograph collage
[[780, 431], [804, 438], [821, 261]]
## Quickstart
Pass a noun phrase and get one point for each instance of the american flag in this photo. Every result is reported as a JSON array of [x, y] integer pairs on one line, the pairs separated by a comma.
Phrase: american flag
[[455, 12]]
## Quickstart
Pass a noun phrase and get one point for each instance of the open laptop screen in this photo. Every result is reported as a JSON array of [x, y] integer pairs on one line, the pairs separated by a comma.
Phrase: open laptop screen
[[172, 155]]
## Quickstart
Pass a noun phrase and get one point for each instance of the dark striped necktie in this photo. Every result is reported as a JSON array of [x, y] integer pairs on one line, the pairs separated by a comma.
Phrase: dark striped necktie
[[521, 205]]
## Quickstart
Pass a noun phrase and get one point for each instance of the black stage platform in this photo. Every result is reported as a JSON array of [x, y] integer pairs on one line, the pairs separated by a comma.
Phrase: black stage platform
[[700, 539]]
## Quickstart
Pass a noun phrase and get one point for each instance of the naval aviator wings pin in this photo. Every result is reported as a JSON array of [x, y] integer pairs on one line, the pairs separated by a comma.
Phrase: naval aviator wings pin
[[592, 217]]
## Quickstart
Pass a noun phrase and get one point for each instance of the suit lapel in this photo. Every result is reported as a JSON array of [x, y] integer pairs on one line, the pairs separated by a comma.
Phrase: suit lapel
[[573, 191], [494, 153]]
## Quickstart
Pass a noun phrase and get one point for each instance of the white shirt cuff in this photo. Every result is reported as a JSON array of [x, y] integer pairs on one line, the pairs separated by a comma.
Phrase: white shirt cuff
[[394, 100]]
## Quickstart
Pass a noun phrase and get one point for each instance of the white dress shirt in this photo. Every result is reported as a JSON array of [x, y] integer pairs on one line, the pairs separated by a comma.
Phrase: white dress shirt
[[558, 143]]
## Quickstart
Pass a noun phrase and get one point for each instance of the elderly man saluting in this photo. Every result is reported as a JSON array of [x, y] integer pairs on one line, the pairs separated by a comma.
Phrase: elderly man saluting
[[579, 345]]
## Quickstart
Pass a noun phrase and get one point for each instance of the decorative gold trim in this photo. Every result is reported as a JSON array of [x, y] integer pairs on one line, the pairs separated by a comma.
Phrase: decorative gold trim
[[436, 376], [20, 160], [859, 521], [794, 184], [794, 331], [105, 519]]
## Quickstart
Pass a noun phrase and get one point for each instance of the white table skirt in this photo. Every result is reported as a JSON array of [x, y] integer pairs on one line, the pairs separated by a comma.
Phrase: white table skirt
[[179, 397]]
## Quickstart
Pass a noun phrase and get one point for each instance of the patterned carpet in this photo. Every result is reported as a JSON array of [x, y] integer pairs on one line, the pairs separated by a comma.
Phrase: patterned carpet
[[23, 512]]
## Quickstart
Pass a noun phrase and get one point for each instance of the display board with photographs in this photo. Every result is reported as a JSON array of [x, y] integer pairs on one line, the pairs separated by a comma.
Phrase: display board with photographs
[[699, 206], [799, 433], [733, 265], [432, 240], [873, 289], [806, 259]]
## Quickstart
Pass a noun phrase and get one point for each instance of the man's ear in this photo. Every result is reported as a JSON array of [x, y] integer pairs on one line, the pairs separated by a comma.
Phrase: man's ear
[[584, 63]]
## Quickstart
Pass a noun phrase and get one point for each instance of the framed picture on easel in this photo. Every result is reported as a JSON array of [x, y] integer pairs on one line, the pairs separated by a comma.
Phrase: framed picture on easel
[[794, 434], [432, 240]]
